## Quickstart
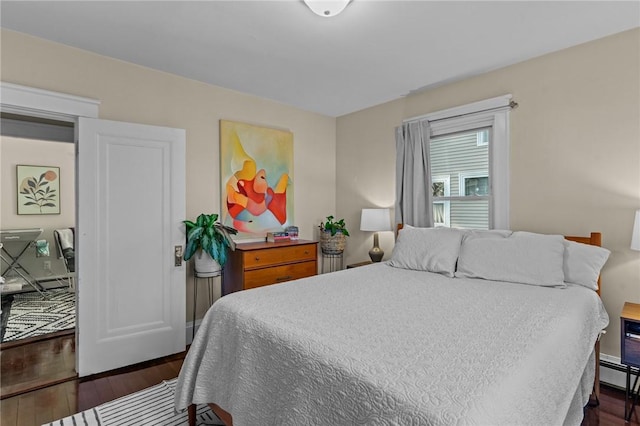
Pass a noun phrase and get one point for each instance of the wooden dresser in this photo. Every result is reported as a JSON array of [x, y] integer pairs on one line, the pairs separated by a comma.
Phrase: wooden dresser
[[256, 264]]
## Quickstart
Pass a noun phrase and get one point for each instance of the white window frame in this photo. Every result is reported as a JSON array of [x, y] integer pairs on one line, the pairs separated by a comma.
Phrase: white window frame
[[446, 179], [462, 177], [482, 138], [493, 113]]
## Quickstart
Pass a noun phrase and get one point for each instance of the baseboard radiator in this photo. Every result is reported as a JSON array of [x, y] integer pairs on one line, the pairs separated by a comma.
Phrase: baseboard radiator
[[613, 372]]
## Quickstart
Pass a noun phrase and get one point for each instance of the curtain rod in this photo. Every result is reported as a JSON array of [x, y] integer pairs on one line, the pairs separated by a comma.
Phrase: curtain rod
[[511, 105]]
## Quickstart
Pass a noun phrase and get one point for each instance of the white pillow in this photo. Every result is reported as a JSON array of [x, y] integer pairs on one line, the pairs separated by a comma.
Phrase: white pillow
[[583, 262], [427, 249], [523, 257], [486, 233]]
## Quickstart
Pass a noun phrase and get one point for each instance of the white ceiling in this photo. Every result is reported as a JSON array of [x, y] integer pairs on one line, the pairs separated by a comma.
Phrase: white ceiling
[[375, 51]]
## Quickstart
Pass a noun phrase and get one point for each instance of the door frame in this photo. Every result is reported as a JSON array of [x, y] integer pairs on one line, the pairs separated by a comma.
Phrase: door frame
[[30, 101], [34, 102]]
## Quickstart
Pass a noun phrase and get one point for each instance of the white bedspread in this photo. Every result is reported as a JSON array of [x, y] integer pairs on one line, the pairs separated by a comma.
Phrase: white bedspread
[[378, 345]]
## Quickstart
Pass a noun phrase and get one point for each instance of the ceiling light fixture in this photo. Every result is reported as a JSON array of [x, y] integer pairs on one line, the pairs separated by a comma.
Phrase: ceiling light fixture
[[325, 8]]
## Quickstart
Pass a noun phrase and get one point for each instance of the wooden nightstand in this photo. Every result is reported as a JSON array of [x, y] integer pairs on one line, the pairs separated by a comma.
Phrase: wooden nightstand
[[630, 351], [355, 265]]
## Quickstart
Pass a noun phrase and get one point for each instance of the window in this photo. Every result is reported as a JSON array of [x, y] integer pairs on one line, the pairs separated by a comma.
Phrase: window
[[474, 184], [464, 165], [441, 186], [482, 138], [469, 159]]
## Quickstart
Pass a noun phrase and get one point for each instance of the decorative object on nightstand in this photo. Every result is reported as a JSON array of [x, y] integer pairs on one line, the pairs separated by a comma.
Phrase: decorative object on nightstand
[[375, 220]]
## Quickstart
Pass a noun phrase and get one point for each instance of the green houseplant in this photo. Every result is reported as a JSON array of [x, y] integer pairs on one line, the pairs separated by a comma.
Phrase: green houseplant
[[333, 236], [209, 241]]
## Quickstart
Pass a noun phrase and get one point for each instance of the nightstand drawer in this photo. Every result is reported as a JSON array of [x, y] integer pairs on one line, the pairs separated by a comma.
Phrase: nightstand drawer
[[279, 274], [631, 351], [271, 256], [630, 334]]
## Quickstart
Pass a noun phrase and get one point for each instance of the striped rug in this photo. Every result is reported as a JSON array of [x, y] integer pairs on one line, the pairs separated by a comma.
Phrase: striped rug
[[32, 315], [151, 406]]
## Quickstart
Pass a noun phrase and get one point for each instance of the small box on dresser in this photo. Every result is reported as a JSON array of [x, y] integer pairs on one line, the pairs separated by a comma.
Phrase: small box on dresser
[[253, 265]]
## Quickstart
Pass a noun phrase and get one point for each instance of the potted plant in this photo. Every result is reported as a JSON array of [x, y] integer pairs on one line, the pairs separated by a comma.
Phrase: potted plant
[[333, 236], [208, 240]]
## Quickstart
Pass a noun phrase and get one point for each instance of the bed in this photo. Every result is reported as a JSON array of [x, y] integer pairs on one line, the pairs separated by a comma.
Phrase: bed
[[459, 327]]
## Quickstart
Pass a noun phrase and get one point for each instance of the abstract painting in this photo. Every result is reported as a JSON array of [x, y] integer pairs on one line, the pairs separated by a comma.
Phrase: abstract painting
[[256, 166], [38, 189]]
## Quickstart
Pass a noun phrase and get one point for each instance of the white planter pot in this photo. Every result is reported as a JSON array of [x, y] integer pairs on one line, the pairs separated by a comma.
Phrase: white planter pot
[[205, 265]]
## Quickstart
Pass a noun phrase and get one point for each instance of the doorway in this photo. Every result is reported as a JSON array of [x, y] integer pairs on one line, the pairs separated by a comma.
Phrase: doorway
[[37, 293], [119, 270]]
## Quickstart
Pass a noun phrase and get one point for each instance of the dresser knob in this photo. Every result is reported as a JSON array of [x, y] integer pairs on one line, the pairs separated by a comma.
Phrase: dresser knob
[[257, 259]]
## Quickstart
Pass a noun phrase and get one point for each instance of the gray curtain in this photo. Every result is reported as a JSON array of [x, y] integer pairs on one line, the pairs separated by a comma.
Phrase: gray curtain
[[413, 175]]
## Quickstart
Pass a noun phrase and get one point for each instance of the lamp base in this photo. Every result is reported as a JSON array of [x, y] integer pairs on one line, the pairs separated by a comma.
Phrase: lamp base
[[376, 253]]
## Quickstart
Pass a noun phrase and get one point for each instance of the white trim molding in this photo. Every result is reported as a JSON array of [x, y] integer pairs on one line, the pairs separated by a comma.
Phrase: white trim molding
[[503, 101], [30, 101]]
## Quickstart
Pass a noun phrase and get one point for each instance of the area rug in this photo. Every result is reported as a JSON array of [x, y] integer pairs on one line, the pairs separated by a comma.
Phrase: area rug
[[151, 406], [32, 315]]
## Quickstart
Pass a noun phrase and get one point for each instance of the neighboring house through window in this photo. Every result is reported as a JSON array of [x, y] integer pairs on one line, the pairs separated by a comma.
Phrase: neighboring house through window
[[464, 165]]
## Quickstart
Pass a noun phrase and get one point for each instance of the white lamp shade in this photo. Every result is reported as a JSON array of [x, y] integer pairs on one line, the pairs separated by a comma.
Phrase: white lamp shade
[[375, 220], [327, 8], [635, 236]]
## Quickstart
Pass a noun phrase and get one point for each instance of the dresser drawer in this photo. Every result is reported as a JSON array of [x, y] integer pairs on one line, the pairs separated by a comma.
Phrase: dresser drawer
[[275, 256], [279, 274]]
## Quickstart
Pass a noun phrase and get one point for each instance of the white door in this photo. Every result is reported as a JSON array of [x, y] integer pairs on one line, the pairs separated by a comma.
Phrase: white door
[[131, 203]]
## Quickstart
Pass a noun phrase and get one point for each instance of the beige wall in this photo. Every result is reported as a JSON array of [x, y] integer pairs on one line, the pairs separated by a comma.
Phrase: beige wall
[[575, 145], [135, 94], [14, 151], [575, 153]]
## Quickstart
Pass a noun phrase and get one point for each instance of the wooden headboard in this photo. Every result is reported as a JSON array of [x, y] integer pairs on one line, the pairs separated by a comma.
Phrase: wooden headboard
[[595, 239]]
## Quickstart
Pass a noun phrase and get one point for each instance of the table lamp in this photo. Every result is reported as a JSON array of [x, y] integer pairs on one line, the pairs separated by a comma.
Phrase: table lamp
[[635, 236], [375, 220]]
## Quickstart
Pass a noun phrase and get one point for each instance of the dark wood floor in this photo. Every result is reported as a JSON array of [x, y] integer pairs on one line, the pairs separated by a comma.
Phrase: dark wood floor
[[39, 362], [54, 358], [44, 362]]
